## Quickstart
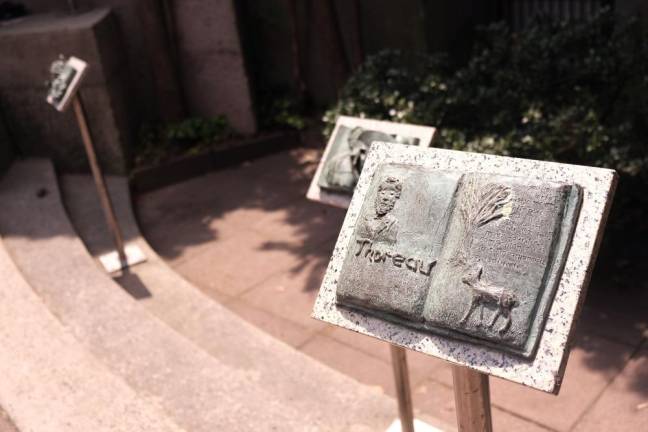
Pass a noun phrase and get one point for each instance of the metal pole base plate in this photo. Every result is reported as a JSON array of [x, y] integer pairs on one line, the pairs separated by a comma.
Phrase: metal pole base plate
[[112, 263], [419, 426]]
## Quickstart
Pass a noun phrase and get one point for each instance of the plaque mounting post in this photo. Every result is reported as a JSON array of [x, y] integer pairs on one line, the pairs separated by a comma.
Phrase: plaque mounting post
[[401, 376], [63, 90], [472, 400], [104, 197]]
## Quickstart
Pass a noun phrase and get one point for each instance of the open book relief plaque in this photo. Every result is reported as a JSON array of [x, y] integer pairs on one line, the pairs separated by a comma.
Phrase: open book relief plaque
[[470, 256]]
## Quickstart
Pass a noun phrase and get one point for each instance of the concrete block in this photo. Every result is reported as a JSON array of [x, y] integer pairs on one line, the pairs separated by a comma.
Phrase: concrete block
[[34, 41], [38, 130]]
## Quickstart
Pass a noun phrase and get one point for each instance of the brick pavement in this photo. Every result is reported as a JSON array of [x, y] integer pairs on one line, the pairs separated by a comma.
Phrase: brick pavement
[[248, 238]]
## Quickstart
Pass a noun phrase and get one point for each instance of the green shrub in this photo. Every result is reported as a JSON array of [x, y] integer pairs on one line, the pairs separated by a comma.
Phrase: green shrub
[[391, 85], [280, 109], [569, 92], [197, 130], [573, 92]]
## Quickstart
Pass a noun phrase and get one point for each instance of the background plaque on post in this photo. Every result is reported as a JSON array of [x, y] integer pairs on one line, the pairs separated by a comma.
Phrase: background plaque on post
[[345, 153], [67, 76], [479, 260]]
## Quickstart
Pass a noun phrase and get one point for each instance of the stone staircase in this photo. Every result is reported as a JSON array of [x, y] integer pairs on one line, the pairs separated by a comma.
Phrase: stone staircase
[[50, 382], [164, 357]]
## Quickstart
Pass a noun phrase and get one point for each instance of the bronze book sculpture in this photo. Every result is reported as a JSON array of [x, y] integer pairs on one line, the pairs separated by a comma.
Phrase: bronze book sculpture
[[470, 256]]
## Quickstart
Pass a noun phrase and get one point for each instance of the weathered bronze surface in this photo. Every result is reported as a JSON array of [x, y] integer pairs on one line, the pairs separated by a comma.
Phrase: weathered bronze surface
[[471, 256], [346, 157], [62, 75], [66, 77]]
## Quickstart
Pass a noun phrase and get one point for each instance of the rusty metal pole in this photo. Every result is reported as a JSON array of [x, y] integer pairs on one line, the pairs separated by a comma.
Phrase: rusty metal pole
[[403, 391], [100, 182], [472, 400]]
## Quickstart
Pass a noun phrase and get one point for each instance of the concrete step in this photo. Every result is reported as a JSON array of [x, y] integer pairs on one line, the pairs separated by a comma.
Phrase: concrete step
[[49, 382], [227, 389], [325, 399], [198, 392]]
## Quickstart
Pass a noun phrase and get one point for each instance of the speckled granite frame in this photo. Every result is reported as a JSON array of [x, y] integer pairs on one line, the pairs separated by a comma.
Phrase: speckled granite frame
[[315, 193], [544, 371]]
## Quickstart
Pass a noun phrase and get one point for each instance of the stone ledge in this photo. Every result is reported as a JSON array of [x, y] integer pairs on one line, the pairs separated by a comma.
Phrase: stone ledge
[[229, 154]]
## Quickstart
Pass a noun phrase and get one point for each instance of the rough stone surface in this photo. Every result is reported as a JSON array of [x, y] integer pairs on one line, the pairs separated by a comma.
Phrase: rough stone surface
[[334, 147], [215, 78], [249, 381], [199, 392], [545, 370], [49, 382], [38, 129]]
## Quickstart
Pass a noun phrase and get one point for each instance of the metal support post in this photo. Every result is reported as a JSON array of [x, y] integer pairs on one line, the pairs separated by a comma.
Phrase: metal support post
[[403, 391], [472, 400], [104, 197]]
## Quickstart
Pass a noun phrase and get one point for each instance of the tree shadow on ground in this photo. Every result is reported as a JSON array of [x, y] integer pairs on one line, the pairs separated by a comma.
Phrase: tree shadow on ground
[[262, 201]]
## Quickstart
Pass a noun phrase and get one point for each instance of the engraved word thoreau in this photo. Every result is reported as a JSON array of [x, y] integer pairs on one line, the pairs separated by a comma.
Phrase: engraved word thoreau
[[398, 260], [382, 228]]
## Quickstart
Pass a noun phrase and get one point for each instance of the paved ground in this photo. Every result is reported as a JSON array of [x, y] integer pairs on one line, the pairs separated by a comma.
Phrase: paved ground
[[248, 238]]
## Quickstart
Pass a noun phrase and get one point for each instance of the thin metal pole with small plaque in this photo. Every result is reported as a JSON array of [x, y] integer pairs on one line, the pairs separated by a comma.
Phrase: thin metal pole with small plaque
[[482, 261], [67, 75]]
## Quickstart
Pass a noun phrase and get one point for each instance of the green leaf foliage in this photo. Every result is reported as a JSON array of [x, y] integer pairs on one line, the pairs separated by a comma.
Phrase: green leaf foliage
[[159, 142], [572, 92]]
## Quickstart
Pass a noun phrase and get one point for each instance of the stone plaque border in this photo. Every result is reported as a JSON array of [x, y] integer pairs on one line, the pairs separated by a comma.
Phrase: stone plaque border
[[424, 133], [545, 370]]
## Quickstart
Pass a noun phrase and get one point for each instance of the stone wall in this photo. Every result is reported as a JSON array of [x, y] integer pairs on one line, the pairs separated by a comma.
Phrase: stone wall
[[153, 77], [214, 75], [35, 128], [6, 149], [184, 58]]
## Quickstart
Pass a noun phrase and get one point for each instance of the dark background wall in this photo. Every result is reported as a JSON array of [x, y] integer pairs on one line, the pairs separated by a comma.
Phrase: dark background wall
[[334, 36], [207, 57], [325, 40]]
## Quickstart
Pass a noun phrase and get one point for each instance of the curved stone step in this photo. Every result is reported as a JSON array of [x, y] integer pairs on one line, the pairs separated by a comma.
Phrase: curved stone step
[[49, 382], [229, 390], [325, 398], [199, 393]]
